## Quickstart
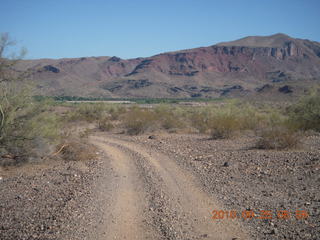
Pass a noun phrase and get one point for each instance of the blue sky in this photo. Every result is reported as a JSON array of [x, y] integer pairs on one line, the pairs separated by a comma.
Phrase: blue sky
[[128, 28]]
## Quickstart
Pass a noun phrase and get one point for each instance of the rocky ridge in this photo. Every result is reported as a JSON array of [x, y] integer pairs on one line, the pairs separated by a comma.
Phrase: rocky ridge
[[250, 62]]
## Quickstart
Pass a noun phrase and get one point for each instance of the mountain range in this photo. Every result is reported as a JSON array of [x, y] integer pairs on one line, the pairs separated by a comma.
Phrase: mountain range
[[276, 65]]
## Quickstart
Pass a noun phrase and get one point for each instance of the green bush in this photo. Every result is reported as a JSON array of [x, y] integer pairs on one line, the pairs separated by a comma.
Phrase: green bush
[[222, 125], [27, 123], [223, 121], [199, 120], [137, 120], [249, 117], [278, 137], [168, 117], [305, 115], [47, 125], [276, 133], [115, 112], [88, 112]]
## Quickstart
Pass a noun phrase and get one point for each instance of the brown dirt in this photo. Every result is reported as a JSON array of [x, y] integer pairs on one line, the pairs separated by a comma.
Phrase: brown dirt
[[164, 187]]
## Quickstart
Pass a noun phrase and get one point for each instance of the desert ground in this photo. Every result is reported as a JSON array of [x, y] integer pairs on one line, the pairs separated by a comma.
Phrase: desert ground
[[166, 186]]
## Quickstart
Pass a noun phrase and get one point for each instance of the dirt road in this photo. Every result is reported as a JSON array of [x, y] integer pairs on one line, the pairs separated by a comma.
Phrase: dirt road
[[164, 187], [151, 197]]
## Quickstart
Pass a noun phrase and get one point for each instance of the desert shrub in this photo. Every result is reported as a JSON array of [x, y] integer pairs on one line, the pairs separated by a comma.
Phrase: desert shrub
[[199, 119], [169, 121], [115, 112], [222, 125], [305, 115], [249, 117], [278, 137], [276, 133], [88, 112], [25, 122], [105, 125], [76, 151], [138, 120], [28, 131], [47, 125], [219, 122], [16, 108], [224, 121], [168, 117]]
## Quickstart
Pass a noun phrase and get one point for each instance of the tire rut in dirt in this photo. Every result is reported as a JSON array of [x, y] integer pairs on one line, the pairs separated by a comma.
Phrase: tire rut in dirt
[[126, 211], [180, 210]]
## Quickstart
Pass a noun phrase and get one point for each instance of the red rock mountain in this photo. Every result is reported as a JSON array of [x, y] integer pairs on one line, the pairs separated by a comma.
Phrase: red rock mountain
[[276, 64]]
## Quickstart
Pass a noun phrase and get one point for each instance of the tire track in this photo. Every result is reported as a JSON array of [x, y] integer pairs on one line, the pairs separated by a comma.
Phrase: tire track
[[176, 202], [125, 215]]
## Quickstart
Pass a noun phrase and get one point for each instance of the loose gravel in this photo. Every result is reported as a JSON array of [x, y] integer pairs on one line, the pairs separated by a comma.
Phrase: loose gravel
[[246, 179]]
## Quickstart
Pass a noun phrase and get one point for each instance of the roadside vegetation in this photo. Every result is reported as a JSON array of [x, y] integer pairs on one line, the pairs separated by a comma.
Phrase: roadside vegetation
[[274, 127], [30, 128], [23, 122]]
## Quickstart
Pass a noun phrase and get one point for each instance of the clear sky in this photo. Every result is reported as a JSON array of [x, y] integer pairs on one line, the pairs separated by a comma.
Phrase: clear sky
[[141, 28]]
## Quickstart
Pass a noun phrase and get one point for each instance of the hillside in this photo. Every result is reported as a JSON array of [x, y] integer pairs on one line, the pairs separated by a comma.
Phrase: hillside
[[275, 65]]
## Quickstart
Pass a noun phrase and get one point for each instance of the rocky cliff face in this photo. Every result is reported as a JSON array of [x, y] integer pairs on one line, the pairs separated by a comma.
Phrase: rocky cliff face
[[232, 68]]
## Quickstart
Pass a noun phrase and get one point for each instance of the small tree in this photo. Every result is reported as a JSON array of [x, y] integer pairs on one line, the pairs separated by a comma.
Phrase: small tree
[[17, 107]]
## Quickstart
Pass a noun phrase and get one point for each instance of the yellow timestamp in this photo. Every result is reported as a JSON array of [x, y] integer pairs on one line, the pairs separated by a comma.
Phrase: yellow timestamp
[[262, 214]]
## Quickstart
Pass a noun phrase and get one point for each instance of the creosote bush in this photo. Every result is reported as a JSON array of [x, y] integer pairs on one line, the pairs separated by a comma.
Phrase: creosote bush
[[222, 125], [278, 137], [305, 115], [169, 118], [276, 129], [115, 112], [139, 120], [223, 121], [88, 112], [200, 120]]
